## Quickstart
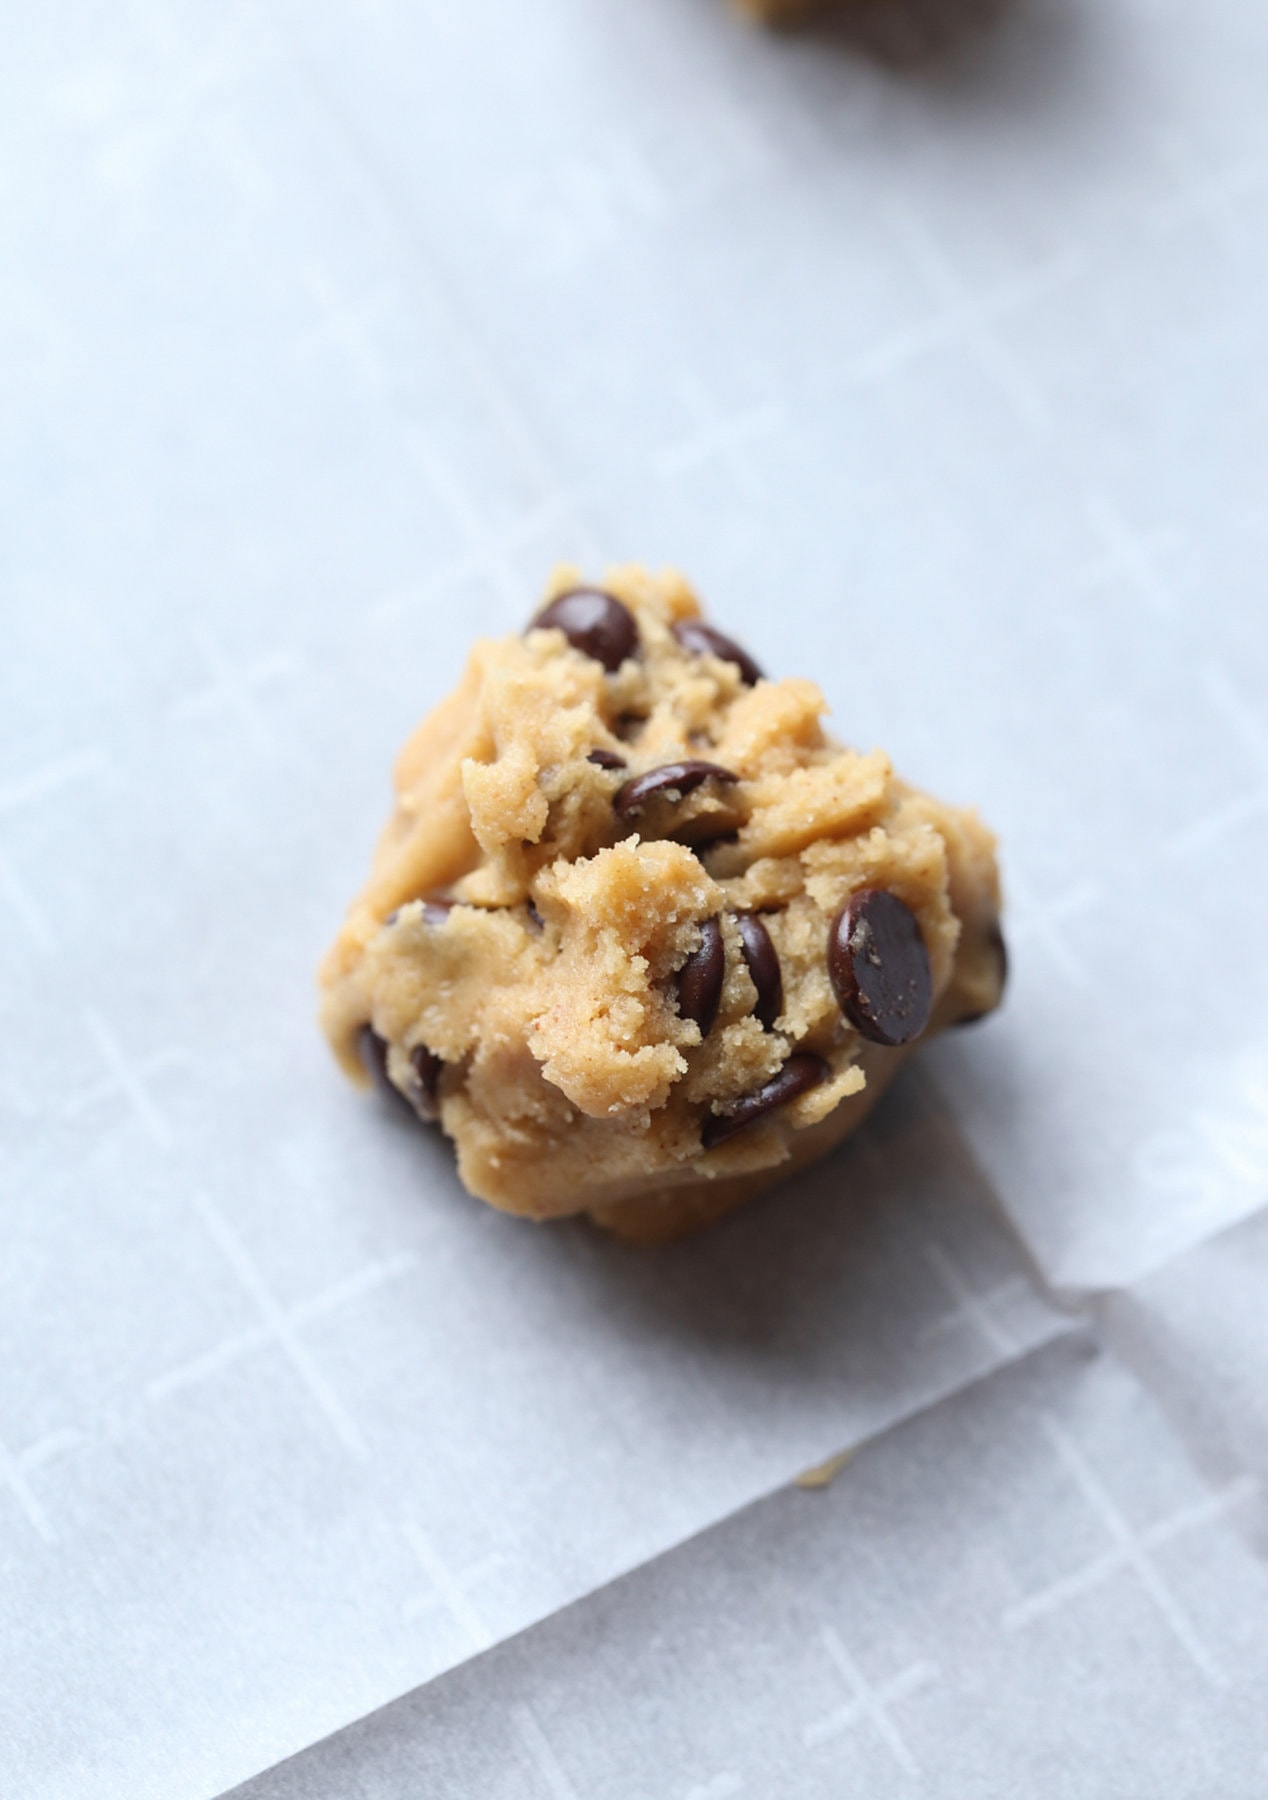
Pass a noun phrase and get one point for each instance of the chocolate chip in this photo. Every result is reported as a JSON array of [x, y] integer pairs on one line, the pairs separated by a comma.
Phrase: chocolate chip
[[763, 967], [676, 778], [534, 917], [372, 1049], [606, 759], [702, 640], [700, 978], [424, 1086], [879, 967], [593, 622], [995, 940], [799, 1074]]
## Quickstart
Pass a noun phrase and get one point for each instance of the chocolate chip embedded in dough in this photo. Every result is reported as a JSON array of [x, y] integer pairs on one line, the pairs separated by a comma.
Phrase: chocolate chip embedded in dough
[[995, 942], [702, 640], [700, 978], [593, 622], [762, 963], [879, 967], [606, 759], [372, 1049], [995, 938], [424, 1086], [676, 778], [800, 1073]]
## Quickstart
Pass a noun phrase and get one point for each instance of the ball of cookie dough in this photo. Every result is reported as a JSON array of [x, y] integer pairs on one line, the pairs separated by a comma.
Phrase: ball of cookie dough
[[640, 937], [782, 12]]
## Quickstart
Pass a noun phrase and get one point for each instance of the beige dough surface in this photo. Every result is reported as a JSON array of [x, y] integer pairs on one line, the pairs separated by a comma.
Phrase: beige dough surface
[[522, 943]]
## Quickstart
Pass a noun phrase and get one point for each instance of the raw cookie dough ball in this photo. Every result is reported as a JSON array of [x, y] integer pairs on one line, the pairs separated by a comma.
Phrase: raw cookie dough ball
[[640, 936], [782, 12]]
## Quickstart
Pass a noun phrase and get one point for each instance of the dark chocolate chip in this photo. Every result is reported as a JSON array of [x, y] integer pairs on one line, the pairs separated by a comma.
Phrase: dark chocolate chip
[[700, 978], [422, 1099], [424, 1087], [372, 1049], [763, 967], [799, 1074], [606, 759], [702, 640], [879, 967], [593, 622], [676, 778], [995, 939]]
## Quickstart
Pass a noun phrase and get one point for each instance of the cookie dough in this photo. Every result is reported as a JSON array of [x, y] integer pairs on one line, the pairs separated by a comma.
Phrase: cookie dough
[[782, 12], [639, 936]]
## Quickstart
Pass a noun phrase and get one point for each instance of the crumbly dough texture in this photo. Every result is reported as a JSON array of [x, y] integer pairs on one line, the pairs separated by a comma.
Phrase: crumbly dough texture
[[570, 1080]]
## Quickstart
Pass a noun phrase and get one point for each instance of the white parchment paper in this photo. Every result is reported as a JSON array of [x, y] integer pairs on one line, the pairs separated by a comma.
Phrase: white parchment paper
[[325, 331], [1027, 1585]]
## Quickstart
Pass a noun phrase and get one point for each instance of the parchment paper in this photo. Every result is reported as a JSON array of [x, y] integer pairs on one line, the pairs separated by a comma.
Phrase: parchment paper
[[1026, 1586], [326, 330]]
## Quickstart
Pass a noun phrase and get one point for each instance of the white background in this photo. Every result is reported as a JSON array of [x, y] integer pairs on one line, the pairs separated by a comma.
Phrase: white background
[[326, 330]]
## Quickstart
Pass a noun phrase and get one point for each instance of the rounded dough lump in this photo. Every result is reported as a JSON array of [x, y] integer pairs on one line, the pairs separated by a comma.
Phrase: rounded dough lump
[[513, 961]]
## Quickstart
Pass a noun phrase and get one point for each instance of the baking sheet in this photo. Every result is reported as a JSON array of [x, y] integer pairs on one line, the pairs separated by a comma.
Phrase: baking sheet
[[326, 331]]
